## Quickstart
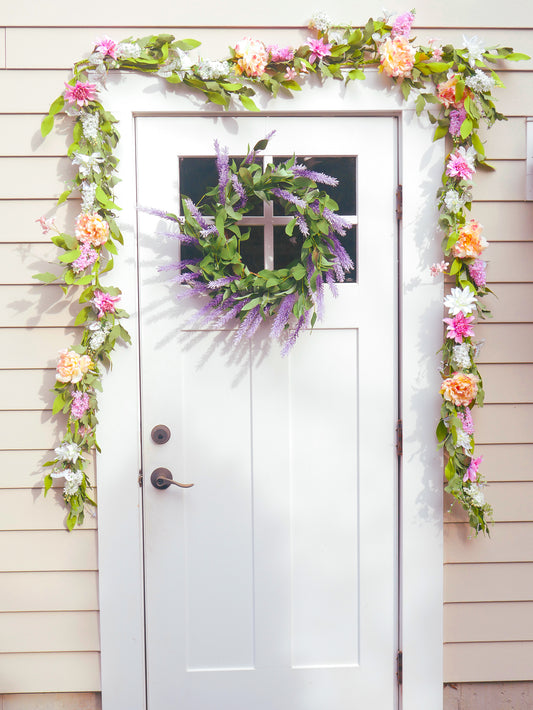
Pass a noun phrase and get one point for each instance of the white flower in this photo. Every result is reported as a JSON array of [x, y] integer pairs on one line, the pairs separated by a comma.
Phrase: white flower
[[68, 452], [72, 482], [320, 21], [89, 124], [474, 48], [461, 356], [460, 301], [455, 201], [128, 50], [480, 82], [464, 442], [208, 69], [88, 163], [88, 194], [476, 495]]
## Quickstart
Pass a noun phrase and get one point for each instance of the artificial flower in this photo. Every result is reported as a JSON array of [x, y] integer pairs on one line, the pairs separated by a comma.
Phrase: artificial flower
[[470, 243], [474, 48], [446, 92], [88, 196], [73, 480], [460, 389], [319, 49], [290, 74], [209, 70], [88, 255], [252, 57], [480, 82], [466, 421], [461, 163], [436, 269], [92, 229], [71, 366], [457, 116], [477, 271], [401, 27], [280, 54], [463, 441], [88, 163], [320, 22], [81, 93], [471, 472], [104, 303], [89, 124], [79, 405], [459, 327], [68, 451], [461, 356], [47, 225], [128, 50], [476, 495], [460, 301], [454, 201], [397, 57], [106, 46]]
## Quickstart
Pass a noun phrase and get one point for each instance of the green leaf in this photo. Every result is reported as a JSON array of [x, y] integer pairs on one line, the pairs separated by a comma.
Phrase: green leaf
[[478, 145], [59, 403], [517, 57], [292, 85], [356, 74], [438, 67], [440, 132], [71, 521], [419, 104], [82, 315], [456, 267], [406, 90], [187, 44], [104, 200], [217, 98], [442, 431], [466, 128], [69, 256], [248, 104], [63, 196], [48, 481], [298, 272], [46, 277], [57, 106], [46, 125], [449, 471]]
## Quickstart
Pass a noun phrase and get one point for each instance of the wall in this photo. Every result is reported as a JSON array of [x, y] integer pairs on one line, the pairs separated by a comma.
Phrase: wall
[[48, 577]]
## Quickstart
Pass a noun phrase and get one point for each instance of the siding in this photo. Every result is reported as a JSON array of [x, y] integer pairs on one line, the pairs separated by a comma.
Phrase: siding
[[48, 577]]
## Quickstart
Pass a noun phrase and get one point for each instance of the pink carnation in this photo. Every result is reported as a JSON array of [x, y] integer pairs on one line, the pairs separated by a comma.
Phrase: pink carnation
[[318, 49], [104, 302], [461, 163], [471, 472], [80, 404], [478, 273], [81, 93], [459, 327], [107, 47], [402, 25]]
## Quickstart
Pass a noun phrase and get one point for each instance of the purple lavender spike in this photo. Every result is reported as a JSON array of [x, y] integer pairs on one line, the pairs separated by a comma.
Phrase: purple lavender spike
[[179, 265], [246, 323], [218, 283], [286, 195], [292, 337], [239, 189], [283, 314], [210, 230], [319, 297], [338, 223], [162, 214], [180, 236], [187, 277], [256, 322], [302, 225], [205, 313], [303, 171], [198, 216], [332, 285], [339, 271], [197, 289], [234, 311], [223, 171], [341, 253]]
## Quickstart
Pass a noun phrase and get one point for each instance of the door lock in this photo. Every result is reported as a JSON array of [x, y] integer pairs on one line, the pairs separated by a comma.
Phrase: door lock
[[160, 434], [161, 479]]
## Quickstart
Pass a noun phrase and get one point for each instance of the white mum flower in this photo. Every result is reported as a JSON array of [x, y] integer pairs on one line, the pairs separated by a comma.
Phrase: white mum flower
[[68, 451], [208, 69], [460, 301], [476, 495], [474, 48], [88, 163], [455, 201], [72, 482], [89, 124], [128, 50], [461, 356], [464, 442]]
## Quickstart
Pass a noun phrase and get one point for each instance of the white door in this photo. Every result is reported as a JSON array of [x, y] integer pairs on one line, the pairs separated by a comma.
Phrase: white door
[[271, 584]]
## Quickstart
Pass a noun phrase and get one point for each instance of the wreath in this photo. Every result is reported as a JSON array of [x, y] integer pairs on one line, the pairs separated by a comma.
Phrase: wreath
[[289, 298]]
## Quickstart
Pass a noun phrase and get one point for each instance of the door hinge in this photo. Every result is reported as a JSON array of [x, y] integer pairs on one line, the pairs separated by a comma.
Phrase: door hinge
[[140, 479], [399, 202], [399, 437], [399, 667]]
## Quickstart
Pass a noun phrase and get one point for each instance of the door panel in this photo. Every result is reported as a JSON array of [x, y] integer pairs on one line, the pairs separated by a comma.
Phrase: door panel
[[272, 583]]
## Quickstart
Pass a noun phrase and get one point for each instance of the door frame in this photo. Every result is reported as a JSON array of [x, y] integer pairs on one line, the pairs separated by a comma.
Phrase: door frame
[[420, 604]]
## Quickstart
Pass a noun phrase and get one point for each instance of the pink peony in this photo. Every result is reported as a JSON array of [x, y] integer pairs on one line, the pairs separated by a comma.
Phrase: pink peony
[[402, 25], [92, 229], [107, 47], [471, 472], [104, 303], [71, 366], [470, 242], [459, 327], [318, 49], [252, 57], [397, 57], [81, 93]]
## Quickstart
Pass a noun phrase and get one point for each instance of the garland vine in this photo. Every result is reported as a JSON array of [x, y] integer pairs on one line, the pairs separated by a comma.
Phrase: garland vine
[[451, 85]]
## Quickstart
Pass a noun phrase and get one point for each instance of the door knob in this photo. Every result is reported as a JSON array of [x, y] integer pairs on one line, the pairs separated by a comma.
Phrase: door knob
[[161, 479], [160, 434]]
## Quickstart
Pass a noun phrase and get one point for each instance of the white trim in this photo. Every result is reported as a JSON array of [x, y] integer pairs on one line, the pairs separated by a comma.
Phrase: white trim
[[120, 524]]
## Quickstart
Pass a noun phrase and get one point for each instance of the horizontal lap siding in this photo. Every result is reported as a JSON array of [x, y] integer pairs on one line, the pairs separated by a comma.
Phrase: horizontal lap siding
[[484, 578]]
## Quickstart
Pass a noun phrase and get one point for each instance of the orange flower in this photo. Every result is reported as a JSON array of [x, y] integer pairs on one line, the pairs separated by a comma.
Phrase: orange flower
[[470, 243], [460, 389], [397, 57], [446, 91], [92, 228], [71, 366]]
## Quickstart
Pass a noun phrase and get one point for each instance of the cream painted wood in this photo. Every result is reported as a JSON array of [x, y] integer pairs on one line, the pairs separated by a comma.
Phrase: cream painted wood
[[18, 262], [35, 550], [39, 305], [507, 462], [508, 383], [507, 221], [34, 347], [514, 99], [15, 425], [120, 563], [517, 418], [509, 542], [502, 621], [266, 515], [488, 582], [36, 179], [24, 469], [2, 48], [25, 509], [514, 303], [72, 671], [25, 139], [27, 632], [509, 261], [52, 701], [429, 14], [508, 182], [505, 140], [511, 502], [18, 218], [510, 660], [506, 342], [58, 591], [26, 389]]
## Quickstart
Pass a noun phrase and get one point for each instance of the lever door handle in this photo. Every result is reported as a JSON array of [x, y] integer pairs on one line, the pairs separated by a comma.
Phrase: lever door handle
[[161, 479]]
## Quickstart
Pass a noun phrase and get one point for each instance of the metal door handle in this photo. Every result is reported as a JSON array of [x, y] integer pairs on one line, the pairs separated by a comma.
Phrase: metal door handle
[[162, 479]]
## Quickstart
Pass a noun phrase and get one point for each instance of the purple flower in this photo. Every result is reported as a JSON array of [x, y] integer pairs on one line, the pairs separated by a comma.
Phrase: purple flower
[[341, 254], [289, 197], [302, 225], [478, 273], [180, 236], [80, 404], [223, 171], [218, 283], [303, 171], [198, 216], [466, 421], [457, 116], [87, 257], [291, 340], [235, 309], [280, 54], [187, 277], [283, 315], [179, 265], [239, 189], [160, 213], [402, 25], [249, 322], [331, 283]]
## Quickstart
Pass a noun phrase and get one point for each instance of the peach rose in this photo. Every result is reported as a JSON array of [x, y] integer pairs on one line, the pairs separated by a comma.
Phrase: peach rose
[[92, 229], [397, 57], [470, 243], [446, 91], [253, 57], [460, 388], [71, 366]]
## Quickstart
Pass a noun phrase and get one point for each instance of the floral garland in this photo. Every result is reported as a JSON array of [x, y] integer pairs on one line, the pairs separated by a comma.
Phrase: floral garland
[[283, 295], [452, 85]]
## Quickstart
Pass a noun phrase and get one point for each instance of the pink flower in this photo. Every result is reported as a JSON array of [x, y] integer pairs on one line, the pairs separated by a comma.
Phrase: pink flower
[[71, 366], [106, 46], [461, 163], [104, 303], [466, 421], [290, 74], [402, 25], [477, 272], [47, 225], [397, 57], [280, 54], [80, 404], [457, 116], [318, 49], [81, 93], [436, 269], [253, 57], [92, 229], [471, 472], [459, 327], [87, 257]]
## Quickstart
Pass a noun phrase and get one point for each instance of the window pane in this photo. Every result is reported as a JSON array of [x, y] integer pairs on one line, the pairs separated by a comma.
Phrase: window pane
[[253, 249]]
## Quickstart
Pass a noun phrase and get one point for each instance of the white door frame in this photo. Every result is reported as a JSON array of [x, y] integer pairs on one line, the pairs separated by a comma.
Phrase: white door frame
[[420, 337]]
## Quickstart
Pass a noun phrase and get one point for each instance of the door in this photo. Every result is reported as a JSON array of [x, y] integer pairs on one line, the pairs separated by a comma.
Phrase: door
[[272, 582]]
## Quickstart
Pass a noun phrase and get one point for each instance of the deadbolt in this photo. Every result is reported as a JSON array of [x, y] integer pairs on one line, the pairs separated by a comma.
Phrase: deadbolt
[[160, 434]]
